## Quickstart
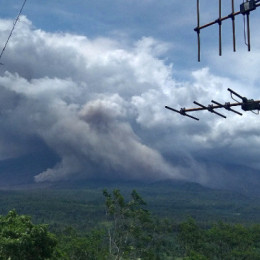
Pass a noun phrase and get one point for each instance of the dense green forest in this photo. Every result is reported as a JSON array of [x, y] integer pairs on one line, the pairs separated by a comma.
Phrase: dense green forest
[[160, 220]]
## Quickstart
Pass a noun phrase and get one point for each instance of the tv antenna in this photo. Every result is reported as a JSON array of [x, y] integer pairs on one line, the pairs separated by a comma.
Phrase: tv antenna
[[245, 8], [245, 103]]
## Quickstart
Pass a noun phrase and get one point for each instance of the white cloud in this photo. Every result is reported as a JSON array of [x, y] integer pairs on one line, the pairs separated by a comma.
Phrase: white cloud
[[100, 106]]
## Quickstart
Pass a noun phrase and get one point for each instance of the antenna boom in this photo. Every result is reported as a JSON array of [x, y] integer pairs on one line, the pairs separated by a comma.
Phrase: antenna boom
[[246, 105]]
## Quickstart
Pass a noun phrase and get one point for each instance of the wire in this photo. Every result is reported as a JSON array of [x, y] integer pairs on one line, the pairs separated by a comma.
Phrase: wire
[[256, 113], [244, 21], [11, 32], [233, 98], [245, 38]]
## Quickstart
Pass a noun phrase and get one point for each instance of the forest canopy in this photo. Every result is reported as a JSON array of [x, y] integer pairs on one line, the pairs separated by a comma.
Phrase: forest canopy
[[129, 230]]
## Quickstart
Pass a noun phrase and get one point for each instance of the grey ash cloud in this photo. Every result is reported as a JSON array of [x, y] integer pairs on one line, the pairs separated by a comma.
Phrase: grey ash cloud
[[99, 105]]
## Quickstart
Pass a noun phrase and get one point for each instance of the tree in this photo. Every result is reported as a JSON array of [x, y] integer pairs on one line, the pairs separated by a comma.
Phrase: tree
[[221, 241], [231, 242], [191, 237], [82, 247], [132, 231], [20, 239]]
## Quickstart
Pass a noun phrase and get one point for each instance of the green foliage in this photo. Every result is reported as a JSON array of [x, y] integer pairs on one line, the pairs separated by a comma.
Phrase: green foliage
[[221, 241], [78, 247], [191, 237], [83, 208], [20, 239], [133, 232], [129, 229]]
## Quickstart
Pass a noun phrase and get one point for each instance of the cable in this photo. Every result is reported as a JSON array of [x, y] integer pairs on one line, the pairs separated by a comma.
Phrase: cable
[[245, 38], [11, 32], [256, 113], [244, 21], [233, 98]]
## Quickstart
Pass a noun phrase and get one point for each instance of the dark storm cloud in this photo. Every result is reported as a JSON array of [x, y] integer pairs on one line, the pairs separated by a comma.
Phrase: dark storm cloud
[[99, 106]]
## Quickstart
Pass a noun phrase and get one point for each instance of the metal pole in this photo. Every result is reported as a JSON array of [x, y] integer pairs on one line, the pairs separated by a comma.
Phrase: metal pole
[[198, 30], [248, 32], [220, 34], [233, 26]]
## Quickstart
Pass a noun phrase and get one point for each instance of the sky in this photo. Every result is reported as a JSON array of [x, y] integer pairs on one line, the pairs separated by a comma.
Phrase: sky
[[87, 82]]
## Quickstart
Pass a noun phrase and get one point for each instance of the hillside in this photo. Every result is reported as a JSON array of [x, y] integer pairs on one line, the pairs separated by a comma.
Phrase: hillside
[[81, 205]]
